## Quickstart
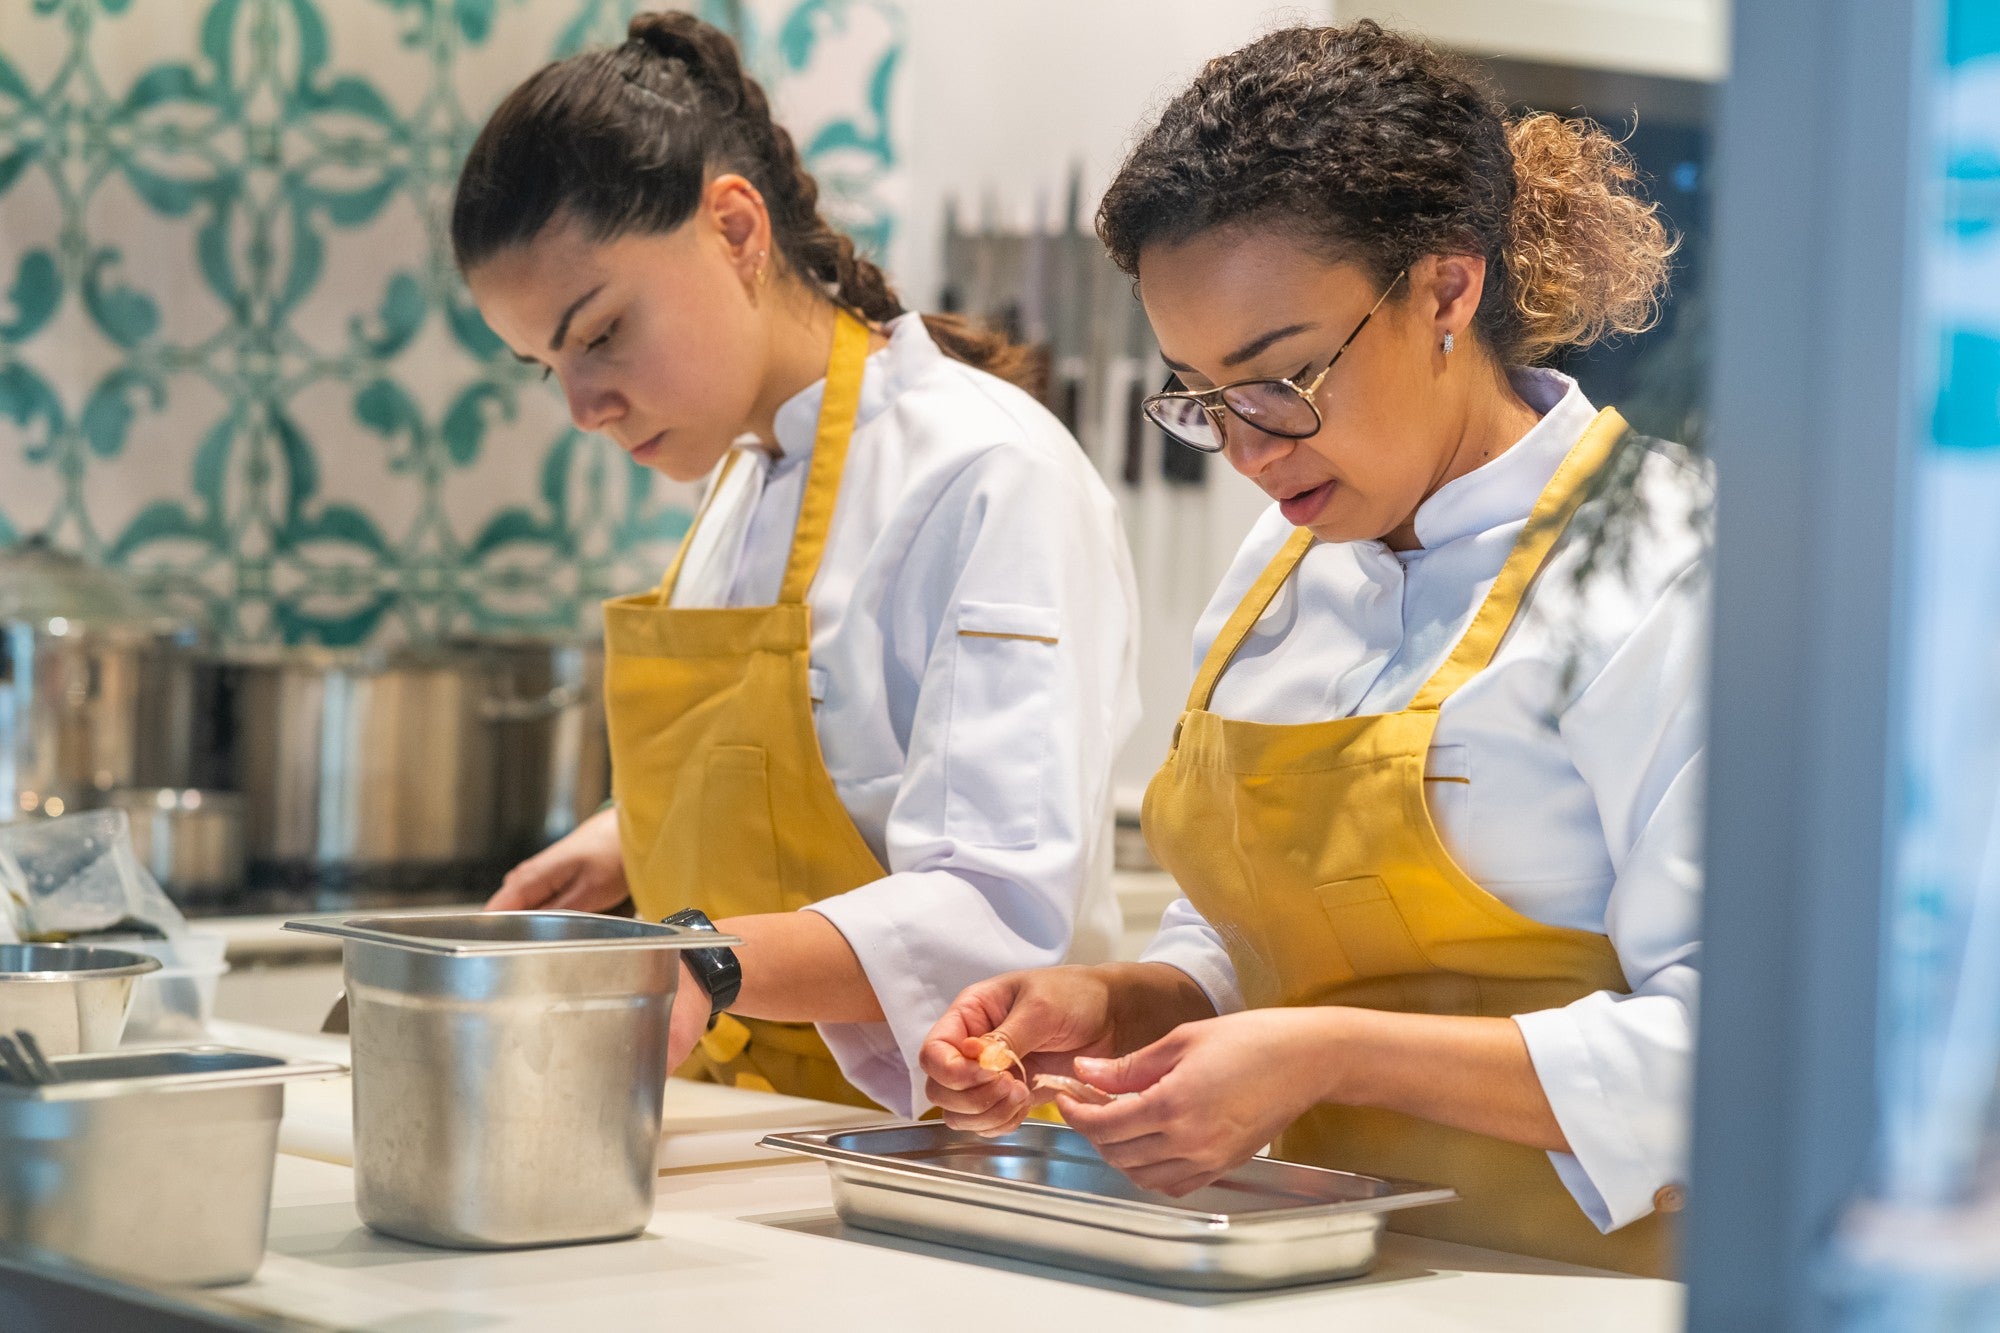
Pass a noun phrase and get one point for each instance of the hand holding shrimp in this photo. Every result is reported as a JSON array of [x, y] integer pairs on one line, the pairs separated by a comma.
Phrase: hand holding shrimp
[[992, 1053], [1204, 1099], [994, 1030], [983, 1058]]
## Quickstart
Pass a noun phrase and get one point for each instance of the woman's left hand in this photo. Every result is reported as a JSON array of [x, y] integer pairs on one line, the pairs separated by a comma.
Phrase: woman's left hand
[[1207, 1096]]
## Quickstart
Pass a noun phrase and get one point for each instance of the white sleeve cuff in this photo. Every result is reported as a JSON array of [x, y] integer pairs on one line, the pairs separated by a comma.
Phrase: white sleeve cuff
[[918, 961], [870, 1059], [881, 1058], [1186, 941], [1608, 1170]]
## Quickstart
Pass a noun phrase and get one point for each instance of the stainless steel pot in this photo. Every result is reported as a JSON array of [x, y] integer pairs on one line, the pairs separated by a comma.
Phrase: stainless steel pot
[[191, 840], [546, 705], [357, 761], [90, 694], [509, 1072], [430, 767]]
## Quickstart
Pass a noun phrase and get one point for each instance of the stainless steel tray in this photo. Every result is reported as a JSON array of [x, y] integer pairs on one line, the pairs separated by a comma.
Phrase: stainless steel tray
[[1043, 1193]]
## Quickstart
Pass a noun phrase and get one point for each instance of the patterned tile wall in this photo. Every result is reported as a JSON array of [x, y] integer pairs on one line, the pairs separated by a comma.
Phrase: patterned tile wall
[[234, 356]]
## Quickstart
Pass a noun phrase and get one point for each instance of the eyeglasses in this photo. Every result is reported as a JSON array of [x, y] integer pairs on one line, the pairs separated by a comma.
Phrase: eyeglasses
[[1278, 407]]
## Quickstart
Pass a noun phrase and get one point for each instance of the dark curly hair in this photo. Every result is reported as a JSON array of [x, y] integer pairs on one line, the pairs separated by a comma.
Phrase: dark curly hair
[[1380, 149], [623, 140]]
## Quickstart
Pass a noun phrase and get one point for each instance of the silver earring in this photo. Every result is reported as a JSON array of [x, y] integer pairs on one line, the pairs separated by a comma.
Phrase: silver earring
[[1447, 344]]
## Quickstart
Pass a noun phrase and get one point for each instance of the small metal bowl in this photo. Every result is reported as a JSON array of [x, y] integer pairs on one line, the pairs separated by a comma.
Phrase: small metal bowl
[[73, 997]]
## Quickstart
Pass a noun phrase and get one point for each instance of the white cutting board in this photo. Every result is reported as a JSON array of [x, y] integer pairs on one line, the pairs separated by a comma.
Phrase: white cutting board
[[706, 1123]]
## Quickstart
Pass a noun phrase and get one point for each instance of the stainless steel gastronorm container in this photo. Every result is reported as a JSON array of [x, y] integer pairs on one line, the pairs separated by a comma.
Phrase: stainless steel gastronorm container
[[1043, 1193], [509, 1069], [154, 1165], [72, 997]]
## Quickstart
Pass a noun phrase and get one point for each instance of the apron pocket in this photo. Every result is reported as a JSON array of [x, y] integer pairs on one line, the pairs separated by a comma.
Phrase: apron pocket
[[1448, 793], [737, 861], [997, 742], [1370, 928]]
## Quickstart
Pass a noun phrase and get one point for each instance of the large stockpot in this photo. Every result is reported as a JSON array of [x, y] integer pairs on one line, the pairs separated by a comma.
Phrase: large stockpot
[[355, 761], [546, 706], [91, 690], [438, 765], [509, 1072], [191, 840]]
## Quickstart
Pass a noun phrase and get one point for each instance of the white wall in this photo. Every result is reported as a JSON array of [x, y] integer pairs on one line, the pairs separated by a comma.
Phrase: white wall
[[1001, 97], [1682, 39]]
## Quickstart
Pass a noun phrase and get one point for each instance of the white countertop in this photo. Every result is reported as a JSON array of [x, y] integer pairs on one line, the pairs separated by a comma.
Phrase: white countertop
[[744, 1239], [758, 1247]]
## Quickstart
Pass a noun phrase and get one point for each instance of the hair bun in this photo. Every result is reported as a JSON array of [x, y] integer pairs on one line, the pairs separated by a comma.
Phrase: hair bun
[[705, 52], [1589, 253]]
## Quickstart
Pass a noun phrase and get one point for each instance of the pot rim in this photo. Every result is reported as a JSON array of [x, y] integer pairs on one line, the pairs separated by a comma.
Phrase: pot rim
[[382, 929], [138, 965]]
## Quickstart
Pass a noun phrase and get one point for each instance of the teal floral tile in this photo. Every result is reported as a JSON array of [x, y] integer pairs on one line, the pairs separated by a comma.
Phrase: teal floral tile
[[234, 357]]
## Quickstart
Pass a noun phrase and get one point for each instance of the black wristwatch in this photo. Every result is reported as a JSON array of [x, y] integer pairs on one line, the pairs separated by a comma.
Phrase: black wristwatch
[[716, 969]]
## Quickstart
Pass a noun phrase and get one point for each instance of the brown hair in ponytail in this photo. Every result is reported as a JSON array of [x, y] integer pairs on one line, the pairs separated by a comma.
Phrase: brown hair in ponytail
[[623, 140], [1381, 150]]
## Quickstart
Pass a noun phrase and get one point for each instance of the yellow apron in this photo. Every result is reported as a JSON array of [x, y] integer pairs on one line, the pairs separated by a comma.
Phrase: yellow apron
[[724, 801], [1311, 850]]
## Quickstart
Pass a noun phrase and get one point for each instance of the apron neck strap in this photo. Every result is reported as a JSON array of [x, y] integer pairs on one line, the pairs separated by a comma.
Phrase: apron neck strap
[[1559, 502], [1237, 627], [667, 584], [837, 410]]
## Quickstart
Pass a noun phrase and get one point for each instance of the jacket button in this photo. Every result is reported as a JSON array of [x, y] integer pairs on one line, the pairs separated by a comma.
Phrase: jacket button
[[1670, 1199]]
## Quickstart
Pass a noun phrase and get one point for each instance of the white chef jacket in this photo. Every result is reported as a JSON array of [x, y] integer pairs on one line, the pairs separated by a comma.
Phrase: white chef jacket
[[1582, 742], [973, 667]]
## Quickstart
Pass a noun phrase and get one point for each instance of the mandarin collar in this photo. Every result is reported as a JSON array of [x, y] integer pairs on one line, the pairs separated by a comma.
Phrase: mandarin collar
[[909, 354], [1505, 488]]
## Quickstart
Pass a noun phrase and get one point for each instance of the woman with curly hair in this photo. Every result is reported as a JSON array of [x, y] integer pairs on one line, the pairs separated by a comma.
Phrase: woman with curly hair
[[1434, 802], [866, 722]]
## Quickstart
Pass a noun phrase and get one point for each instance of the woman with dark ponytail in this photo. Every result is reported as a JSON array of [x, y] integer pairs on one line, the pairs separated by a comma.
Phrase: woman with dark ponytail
[[867, 721], [1434, 803]]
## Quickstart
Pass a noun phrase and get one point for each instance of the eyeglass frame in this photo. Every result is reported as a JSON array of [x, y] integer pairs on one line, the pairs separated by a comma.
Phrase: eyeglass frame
[[1212, 402]]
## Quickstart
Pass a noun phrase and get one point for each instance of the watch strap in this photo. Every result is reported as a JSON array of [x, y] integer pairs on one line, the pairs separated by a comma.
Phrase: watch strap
[[717, 969]]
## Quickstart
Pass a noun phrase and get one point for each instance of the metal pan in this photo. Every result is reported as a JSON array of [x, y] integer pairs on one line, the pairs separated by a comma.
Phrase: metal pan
[[153, 1164], [1042, 1193]]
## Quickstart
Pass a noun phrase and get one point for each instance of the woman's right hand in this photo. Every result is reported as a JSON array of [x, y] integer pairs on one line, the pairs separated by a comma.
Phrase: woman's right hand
[[1048, 1017], [585, 872]]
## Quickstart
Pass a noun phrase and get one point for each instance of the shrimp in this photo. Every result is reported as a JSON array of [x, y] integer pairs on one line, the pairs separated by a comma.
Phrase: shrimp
[[1086, 1093], [994, 1055]]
